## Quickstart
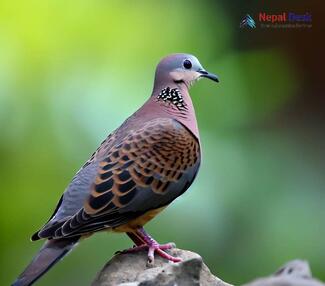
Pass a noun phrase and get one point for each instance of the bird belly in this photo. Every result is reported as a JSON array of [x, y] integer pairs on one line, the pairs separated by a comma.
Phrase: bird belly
[[139, 221]]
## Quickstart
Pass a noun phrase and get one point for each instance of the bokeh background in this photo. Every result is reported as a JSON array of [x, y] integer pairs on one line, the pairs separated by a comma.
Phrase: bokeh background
[[72, 71]]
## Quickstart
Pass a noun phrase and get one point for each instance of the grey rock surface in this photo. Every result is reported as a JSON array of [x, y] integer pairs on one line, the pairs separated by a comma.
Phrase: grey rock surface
[[132, 270], [293, 273]]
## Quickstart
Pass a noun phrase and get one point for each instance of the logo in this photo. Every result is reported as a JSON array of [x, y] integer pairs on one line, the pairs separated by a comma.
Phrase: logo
[[285, 20], [248, 21], [278, 20]]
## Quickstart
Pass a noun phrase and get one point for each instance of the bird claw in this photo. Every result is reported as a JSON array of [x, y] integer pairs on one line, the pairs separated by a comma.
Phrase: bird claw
[[165, 255], [152, 249]]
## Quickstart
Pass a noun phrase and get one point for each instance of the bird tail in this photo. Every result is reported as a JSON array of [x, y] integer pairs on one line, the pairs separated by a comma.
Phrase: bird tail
[[50, 253]]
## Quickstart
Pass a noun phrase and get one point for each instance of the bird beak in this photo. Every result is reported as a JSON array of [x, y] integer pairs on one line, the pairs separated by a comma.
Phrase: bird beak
[[204, 73]]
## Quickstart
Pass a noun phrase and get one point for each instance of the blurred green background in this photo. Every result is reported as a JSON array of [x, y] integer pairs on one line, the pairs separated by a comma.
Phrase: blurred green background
[[72, 71]]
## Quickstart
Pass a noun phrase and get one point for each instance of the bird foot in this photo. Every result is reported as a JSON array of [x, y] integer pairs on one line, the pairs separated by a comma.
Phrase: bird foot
[[143, 241], [154, 247], [159, 249]]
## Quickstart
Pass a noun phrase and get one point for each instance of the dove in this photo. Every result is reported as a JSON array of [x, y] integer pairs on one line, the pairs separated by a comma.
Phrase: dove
[[137, 171]]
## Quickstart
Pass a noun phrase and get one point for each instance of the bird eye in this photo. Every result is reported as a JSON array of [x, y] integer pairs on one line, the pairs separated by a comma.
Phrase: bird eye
[[187, 64]]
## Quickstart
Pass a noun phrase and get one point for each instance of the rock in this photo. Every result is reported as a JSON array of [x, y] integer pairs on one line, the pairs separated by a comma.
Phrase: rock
[[132, 270], [293, 273]]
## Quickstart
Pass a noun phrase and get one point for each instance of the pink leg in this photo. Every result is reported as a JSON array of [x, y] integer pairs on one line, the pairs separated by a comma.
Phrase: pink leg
[[144, 241]]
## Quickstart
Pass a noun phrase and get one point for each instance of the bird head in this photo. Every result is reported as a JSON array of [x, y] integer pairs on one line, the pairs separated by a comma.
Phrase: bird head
[[182, 68]]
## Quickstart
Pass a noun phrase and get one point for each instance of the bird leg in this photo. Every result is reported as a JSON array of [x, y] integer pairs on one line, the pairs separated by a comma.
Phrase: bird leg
[[144, 241]]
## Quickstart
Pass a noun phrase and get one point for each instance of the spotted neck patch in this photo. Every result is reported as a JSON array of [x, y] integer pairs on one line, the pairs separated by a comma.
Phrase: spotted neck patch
[[172, 96]]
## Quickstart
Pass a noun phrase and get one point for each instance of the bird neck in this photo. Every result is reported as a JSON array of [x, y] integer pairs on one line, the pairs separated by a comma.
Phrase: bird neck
[[172, 99]]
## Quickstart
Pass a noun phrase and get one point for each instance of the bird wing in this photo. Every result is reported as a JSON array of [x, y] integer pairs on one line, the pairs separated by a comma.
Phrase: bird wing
[[147, 169]]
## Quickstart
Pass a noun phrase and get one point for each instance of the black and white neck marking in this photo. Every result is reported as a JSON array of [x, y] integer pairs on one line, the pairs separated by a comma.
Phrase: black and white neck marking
[[172, 96]]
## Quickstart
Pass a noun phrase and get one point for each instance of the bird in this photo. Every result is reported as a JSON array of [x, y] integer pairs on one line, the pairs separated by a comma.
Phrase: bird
[[136, 172]]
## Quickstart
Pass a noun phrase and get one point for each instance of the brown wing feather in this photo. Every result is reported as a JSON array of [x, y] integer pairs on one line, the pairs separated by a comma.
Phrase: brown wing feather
[[153, 156], [146, 165]]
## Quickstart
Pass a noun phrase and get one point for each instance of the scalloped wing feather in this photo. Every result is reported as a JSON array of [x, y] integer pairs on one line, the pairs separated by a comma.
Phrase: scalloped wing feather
[[147, 169]]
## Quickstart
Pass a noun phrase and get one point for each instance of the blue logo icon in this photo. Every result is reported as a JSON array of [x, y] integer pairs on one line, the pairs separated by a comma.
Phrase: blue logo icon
[[248, 21]]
